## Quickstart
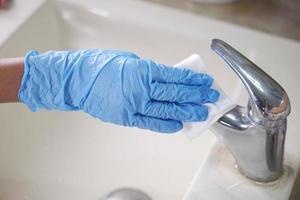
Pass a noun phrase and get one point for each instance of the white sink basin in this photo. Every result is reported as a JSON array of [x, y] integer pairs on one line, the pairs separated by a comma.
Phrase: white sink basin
[[69, 155]]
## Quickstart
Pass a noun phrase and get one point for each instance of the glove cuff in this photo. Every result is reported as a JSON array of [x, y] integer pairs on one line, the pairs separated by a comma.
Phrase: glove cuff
[[24, 90], [37, 89]]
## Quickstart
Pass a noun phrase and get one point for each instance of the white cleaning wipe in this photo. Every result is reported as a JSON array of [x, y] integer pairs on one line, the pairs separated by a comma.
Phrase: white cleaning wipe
[[215, 110]]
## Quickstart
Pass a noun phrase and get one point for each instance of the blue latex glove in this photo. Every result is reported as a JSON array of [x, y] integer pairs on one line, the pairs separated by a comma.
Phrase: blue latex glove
[[116, 87]]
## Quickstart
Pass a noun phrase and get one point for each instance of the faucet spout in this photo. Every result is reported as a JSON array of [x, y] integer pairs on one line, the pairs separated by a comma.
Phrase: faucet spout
[[255, 134]]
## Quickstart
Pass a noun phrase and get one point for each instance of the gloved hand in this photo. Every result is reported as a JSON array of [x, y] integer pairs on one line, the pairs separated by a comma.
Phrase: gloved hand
[[116, 87]]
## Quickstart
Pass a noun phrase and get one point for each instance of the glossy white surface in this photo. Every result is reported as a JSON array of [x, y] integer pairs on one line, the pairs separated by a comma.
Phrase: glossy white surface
[[60, 155], [12, 19]]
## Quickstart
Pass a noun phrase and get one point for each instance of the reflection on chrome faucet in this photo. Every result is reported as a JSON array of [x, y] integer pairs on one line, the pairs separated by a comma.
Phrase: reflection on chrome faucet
[[255, 135]]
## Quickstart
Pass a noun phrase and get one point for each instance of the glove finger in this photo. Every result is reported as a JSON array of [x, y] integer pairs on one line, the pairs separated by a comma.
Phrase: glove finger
[[156, 124], [174, 111], [182, 93], [164, 74]]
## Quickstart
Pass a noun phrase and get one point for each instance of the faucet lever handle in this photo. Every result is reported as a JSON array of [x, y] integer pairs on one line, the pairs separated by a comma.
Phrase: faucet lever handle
[[268, 100]]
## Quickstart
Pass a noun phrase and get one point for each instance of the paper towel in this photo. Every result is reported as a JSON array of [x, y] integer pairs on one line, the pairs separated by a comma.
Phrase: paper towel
[[215, 110]]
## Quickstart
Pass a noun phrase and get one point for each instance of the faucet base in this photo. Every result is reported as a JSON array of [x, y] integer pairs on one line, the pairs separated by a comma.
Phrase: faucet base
[[258, 150], [270, 179]]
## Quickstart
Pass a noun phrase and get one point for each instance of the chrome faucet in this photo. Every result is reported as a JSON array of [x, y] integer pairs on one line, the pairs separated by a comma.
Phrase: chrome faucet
[[255, 134]]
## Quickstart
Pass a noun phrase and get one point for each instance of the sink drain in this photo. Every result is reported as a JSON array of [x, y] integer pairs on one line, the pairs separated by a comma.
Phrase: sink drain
[[127, 194]]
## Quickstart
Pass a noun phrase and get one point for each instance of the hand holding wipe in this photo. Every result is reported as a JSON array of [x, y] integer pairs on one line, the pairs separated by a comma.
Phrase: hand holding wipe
[[117, 87], [215, 109]]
